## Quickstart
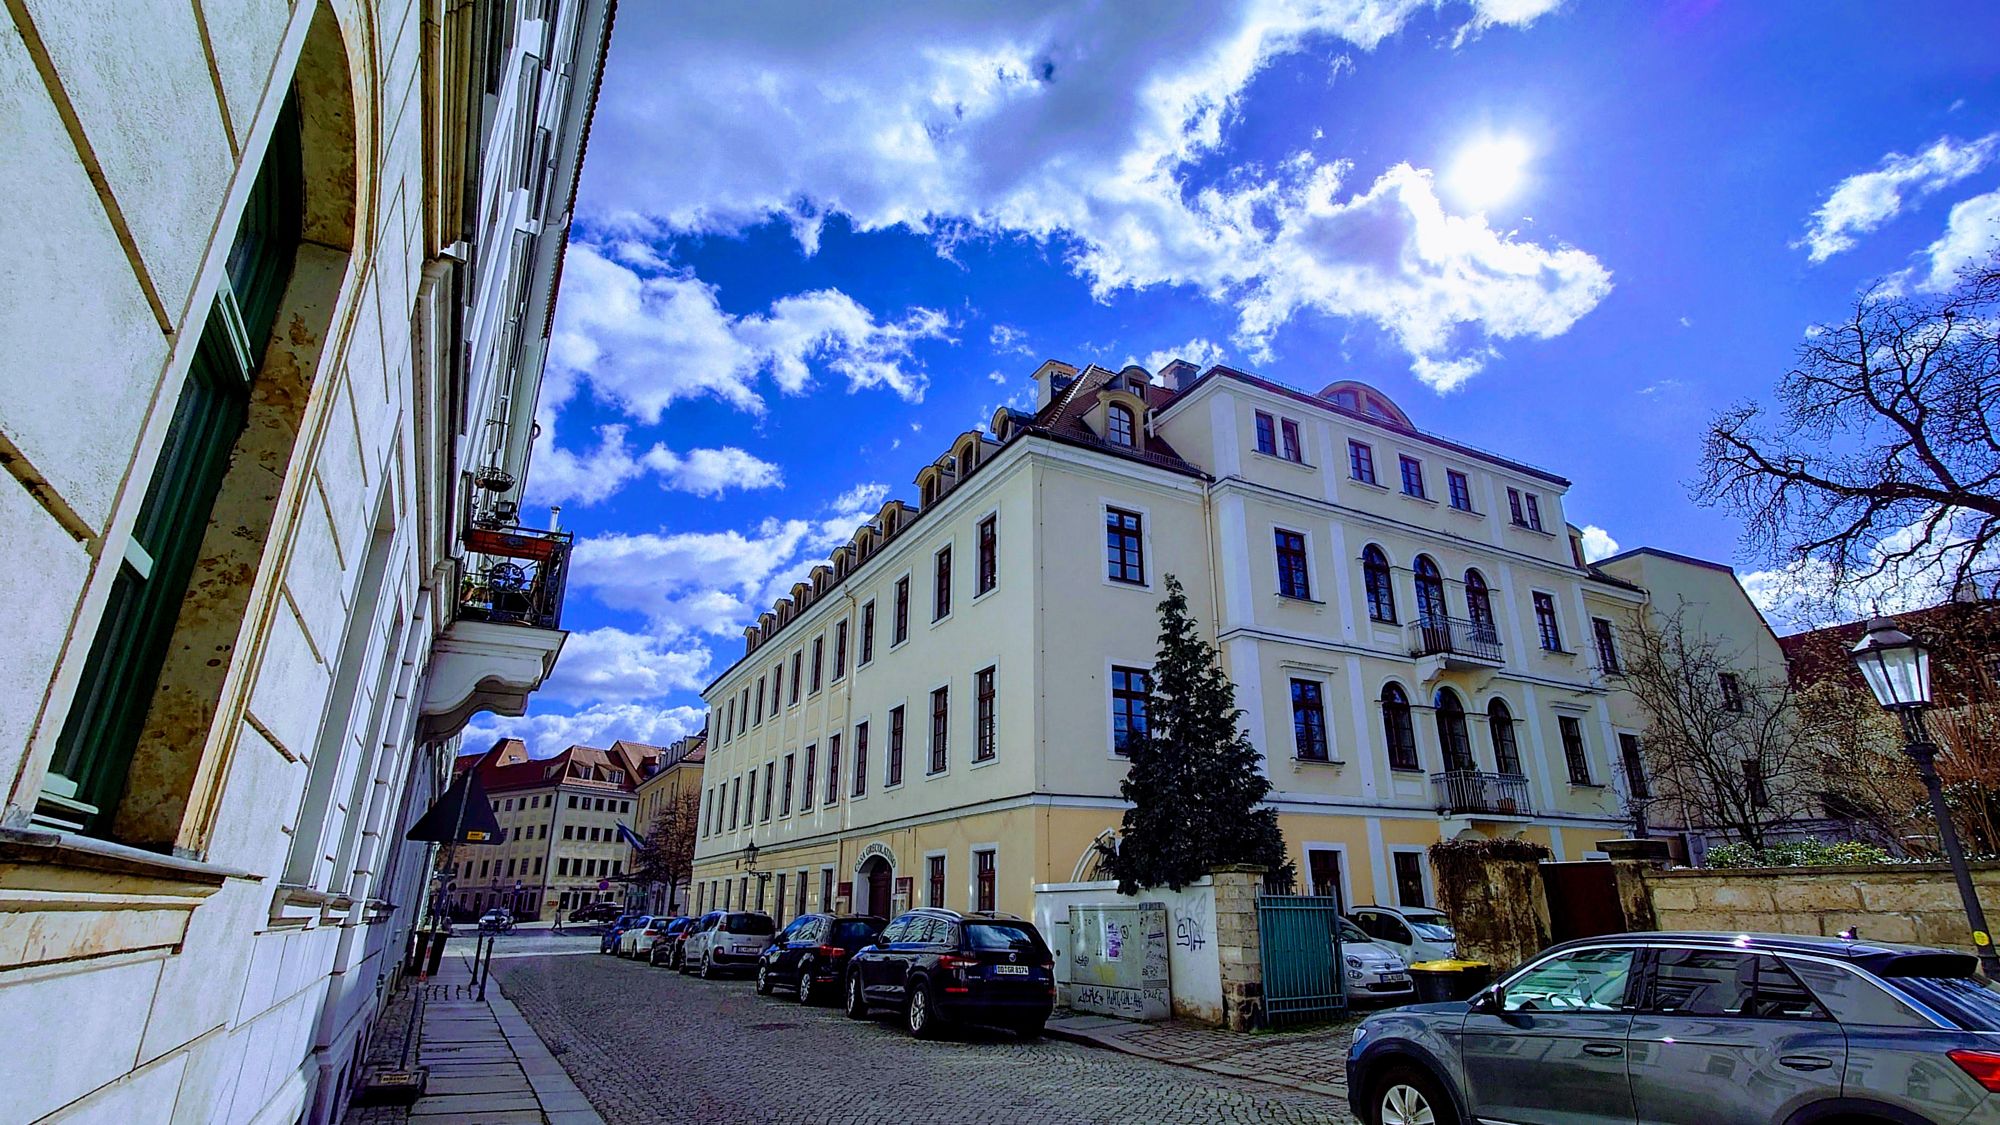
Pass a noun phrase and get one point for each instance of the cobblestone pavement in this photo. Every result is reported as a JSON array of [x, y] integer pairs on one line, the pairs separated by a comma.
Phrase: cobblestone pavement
[[649, 1045], [1313, 1060]]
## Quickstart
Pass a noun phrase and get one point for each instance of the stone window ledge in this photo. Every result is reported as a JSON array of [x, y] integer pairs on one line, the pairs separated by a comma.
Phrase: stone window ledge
[[69, 898]]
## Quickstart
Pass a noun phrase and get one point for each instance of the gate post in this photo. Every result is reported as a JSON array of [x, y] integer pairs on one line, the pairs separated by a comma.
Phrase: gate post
[[1238, 945], [1631, 862]]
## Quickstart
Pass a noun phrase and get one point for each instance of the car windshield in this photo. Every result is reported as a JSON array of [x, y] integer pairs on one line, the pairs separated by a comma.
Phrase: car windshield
[[855, 933], [1000, 935], [1431, 927], [1349, 932], [756, 925], [1962, 1000]]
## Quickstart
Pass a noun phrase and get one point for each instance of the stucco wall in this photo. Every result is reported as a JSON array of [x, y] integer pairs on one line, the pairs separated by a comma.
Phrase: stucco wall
[[1194, 964], [1914, 903]]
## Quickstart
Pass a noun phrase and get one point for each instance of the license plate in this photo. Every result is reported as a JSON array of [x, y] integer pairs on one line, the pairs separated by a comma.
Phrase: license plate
[[1393, 978], [1010, 970]]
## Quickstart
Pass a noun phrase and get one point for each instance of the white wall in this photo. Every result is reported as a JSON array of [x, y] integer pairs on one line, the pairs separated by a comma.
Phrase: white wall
[[1194, 964]]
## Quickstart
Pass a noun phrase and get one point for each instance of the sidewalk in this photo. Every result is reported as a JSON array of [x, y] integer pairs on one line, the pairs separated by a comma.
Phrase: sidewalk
[[1313, 1061], [487, 1066]]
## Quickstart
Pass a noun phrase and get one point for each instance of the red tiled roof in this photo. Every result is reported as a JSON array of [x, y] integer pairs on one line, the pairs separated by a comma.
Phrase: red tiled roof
[[1956, 632]]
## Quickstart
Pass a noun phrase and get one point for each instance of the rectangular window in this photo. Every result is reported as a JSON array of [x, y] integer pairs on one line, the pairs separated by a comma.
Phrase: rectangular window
[[826, 888], [798, 668], [1360, 462], [1534, 510], [983, 748], [819, 662], [860, 759], [806, 796], [901, 631], [868, 632], [1291, 449], [1267, 434], [1129, 687], [1753, 782], [894, 773], [1460, 489], [1293, 581], [728, 720], [1514, 507], [778, 901], [935, 896], [985, 864], [799, 903], [1607, 648], [785, 806], [832, 769], [941, 591], [1732, 691], [989, 554], [1125, 553], [1545, 622], [760, 701], [777, 686], [940, 727], [1413, 477], [750, 798], [735, 801], [1410, 879], [770, 776], [1309, 720], [1572, 736], [1635, 766], [840, 650]]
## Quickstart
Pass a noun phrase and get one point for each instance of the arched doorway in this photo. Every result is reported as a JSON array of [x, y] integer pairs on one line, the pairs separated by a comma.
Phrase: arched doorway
[[878, 881]]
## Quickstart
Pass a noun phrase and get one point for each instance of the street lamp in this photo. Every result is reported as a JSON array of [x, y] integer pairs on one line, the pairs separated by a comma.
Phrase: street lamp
[[1898, 671]]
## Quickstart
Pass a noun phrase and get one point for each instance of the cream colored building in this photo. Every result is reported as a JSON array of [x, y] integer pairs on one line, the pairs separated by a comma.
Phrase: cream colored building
[[1409, 620], [277, 280], [677, 773]]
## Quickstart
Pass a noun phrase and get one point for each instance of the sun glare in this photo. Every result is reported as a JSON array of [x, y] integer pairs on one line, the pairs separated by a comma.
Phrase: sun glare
[[1488, 171]]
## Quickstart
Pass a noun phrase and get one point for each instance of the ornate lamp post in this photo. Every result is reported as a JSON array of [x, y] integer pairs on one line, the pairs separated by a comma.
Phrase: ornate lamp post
[[1898, 671]]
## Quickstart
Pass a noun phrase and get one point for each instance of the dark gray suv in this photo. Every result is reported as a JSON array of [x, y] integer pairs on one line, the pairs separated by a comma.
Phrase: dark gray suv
[[1695, 1029]]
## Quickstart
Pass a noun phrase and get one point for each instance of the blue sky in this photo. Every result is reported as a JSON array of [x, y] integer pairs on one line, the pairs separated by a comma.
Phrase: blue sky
[[813, 244]]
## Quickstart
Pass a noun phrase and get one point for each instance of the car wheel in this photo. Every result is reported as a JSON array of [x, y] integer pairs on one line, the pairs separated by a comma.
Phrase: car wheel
[[920, 1016], [682, 963], [857, 1007], [1409, 1096], [806, 971], [763, 978], [707, 967]]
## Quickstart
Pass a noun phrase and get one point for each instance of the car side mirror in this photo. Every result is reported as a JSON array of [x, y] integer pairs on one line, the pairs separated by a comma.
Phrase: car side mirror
[[1487, 1001]]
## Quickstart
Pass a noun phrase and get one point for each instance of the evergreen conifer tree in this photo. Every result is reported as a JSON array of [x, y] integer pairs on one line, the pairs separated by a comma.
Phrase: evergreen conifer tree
[[1196, 790]]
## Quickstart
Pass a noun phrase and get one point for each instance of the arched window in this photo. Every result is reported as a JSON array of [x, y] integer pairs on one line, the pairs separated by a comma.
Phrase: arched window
[[1396, 727], [1479, 607], [1506, 753], [1430, 592], [1451, 731], [1120, 424], [1375, 576]]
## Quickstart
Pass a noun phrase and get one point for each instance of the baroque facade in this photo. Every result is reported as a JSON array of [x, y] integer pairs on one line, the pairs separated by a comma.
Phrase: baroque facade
[[278, 279], [934, 717]]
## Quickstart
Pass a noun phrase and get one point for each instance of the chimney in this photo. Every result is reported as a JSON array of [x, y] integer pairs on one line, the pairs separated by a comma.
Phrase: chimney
[[1175, 373], [1050, 378]]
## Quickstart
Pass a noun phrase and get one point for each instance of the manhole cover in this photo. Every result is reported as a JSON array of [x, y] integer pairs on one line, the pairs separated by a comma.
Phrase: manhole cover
[[771, 1026]]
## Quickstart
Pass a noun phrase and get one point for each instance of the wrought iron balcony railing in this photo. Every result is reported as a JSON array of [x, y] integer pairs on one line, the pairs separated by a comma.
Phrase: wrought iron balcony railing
[[1469, 791], [515, 576], [1451, 636]]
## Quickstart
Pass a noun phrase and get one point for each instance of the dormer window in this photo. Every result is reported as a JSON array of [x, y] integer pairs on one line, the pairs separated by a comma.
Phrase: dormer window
[[1119, 425]]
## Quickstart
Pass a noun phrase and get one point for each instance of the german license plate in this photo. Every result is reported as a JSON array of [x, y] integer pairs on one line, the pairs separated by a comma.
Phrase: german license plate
[[1010, 970], [1393, 978]]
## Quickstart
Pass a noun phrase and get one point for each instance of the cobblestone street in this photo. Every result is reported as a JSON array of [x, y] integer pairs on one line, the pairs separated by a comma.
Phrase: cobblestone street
[[650, 1045]]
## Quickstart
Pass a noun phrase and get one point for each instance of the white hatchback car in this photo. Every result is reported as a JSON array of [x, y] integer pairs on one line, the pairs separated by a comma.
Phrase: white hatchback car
[[1373, 971], [1414, 933], [725, 940]]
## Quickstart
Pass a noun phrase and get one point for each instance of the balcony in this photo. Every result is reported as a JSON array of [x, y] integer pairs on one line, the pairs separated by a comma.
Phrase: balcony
[[506, 627], [1468, 792], [1461, 644]]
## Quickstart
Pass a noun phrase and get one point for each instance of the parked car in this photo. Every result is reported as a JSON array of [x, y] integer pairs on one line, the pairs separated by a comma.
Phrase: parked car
[[638, 941], [1373, 971], [810, 955], [497, 918], [1696, 1028], [666, 947], [609, 942], [937, 967], [1414, 933], [685, 944], [727, 940], [595, 912], [623, 946]]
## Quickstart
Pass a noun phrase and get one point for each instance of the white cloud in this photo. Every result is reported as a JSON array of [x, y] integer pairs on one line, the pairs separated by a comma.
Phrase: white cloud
[[1008, 340], [1864, 201], [563, 476], [1972, 234], [612, 665], [598, 726], [642, 341], [1077, 126], [1597, 543], [1200, 351], [1806, 594]]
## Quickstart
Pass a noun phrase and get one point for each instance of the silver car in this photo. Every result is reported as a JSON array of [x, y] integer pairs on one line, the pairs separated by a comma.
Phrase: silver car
[[726, 940], [1374, 972], [1695, 1029]]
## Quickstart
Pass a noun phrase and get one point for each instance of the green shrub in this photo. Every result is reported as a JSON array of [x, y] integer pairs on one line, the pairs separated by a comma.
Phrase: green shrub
[[1798, 853]]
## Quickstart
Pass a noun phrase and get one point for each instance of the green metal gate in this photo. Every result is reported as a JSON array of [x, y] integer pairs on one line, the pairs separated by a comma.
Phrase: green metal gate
[[1299, 939]]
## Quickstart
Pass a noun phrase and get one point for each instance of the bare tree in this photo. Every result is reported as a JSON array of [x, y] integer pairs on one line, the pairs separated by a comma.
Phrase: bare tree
[[1882, 460], [668, 855], [1721, 747]]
